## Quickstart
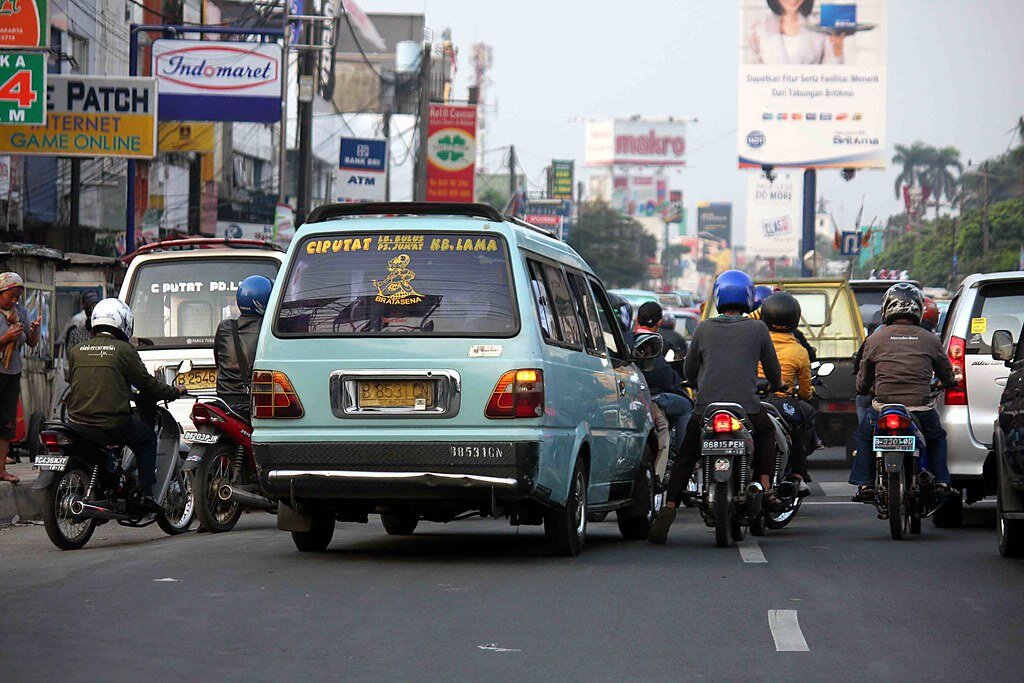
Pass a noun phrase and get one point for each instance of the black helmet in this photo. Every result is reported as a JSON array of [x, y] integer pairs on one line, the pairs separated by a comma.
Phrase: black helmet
[[650, 314], [623, 311], [902, 300], [781, 312]]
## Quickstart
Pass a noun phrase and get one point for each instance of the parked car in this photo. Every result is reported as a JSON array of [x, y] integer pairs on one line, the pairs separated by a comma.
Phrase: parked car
[[1008, 445], [637, 297], [433, 362], [179, 291], [983, 304], [687, 298]]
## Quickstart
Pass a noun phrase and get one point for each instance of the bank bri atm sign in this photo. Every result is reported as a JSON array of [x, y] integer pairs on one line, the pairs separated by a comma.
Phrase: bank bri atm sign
[[202, 80]]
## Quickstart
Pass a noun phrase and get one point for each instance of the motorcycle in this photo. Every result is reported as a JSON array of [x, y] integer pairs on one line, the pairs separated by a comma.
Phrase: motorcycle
[[223, 466], [87, 483]]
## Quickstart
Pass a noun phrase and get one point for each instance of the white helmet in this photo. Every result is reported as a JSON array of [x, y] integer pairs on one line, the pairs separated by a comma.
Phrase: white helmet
[[115, 316]]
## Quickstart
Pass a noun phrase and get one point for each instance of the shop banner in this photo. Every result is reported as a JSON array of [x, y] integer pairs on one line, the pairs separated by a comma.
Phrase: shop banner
[[22, 88], [451, 153], [813, 96], [562, 179], [24, 24], [774, 215], [362, 172], [91, 116], [533, 209], [205, 80], [714, 222], [186, 136]]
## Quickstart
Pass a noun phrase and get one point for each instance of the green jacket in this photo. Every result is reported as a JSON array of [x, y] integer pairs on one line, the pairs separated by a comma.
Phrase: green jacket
[[101, 372]]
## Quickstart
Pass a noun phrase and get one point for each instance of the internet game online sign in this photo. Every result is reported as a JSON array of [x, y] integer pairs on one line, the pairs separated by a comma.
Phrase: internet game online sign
[[203, 80]]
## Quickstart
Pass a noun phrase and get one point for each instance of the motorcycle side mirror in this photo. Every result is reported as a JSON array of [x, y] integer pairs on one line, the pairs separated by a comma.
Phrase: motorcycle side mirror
[[647, 346], [826, 369], [1002, 345], [185, 366]]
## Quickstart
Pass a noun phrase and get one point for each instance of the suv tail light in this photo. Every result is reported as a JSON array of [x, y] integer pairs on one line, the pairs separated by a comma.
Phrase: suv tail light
[[723, 423], [519, 393], [53, 442], [957, 396], [893, 422], [274, 397]]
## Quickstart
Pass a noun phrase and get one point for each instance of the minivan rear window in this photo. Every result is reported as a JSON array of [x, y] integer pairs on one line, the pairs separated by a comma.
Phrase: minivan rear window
[[399, 284], [998, 306]]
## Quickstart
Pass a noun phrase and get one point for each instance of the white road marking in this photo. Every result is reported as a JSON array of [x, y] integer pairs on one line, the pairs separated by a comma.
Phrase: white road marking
[[750, 552], [493, 647], [166, 580], [837, 488], [830, 502], [786, 631]]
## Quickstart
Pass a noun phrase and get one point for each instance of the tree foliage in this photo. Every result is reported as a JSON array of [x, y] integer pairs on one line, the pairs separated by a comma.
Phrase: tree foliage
[[615, 246]]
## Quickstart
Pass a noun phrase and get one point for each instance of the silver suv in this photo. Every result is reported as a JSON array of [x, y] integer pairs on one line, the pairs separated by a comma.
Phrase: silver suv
[[983, 304]]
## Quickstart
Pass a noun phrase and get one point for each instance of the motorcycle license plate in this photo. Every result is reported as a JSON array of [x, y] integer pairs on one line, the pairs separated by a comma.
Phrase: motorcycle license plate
[[51, 463], [723, 447], [905, 444], [200, 437]]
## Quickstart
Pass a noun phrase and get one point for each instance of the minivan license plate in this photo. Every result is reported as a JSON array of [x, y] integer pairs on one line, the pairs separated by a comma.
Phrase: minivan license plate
[[418, 395], [905, 444], [51, 463]]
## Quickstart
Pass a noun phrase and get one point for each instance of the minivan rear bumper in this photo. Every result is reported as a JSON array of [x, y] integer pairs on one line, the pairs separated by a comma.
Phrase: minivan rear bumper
[[397, 470]]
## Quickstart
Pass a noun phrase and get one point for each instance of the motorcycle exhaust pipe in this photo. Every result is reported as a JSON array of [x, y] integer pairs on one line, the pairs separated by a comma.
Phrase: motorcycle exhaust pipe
[[925, 478], [755, 495], [786, 491], [229, 494], [80, 508]]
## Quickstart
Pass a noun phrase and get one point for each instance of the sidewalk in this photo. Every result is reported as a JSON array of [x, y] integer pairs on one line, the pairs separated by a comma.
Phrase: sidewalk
[[20, 501]]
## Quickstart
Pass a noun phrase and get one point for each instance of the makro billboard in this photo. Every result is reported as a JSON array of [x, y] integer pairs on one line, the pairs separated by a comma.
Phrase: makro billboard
[[774, 216], [636, 142], [451, 153], [205, 80], [812, 84], [91, 116]]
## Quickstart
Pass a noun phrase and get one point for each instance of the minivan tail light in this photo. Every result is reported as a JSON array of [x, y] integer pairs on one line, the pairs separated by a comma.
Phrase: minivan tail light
[[274, 397], [723, 423], [893, 422], [957, 395], [519, 393]]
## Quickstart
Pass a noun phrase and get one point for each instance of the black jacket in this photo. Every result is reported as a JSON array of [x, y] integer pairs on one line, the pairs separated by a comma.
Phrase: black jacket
[[232, 380]]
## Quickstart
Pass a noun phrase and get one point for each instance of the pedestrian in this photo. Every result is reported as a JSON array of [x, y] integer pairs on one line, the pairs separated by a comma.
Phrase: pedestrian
[[80, 327], [13, 335]]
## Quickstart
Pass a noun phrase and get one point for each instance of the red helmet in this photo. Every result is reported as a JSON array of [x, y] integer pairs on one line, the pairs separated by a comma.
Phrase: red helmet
[[930, 314]]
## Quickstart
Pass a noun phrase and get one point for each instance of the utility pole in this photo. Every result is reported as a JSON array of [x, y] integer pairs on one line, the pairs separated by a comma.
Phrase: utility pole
[[386, 125], [984, 214], [424, 123], [282, 142], [305, 123], [512, 175], [74, 222]]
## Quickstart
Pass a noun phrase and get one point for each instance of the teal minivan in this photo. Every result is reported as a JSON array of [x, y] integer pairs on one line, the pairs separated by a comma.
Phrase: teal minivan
[[439, 361]]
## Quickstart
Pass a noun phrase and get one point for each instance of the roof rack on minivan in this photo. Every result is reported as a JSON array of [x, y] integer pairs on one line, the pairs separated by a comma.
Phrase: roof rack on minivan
[[530, 226], [185, 243], [346, 210]]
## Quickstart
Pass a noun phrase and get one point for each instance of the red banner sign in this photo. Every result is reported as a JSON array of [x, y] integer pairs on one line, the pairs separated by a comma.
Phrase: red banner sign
[[451, 153]]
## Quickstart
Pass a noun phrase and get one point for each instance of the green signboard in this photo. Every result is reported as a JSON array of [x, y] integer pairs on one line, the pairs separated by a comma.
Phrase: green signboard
[[22, 87], [561, 179], [24, 24]]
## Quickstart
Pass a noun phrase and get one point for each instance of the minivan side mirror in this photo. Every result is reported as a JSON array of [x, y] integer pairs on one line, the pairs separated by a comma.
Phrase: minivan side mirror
[[1002, 345]]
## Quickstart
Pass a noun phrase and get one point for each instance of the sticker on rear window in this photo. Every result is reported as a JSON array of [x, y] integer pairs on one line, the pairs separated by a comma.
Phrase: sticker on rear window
[[979, 325], [396, 288]]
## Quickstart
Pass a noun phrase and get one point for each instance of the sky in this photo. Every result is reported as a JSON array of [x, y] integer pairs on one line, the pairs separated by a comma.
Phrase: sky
[[955, 75]]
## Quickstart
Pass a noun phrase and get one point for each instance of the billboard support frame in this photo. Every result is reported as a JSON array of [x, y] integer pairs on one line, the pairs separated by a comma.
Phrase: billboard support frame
[[170, 31]]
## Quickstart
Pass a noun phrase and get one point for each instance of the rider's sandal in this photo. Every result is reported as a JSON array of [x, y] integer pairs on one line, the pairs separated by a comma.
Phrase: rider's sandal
[[865, 494]]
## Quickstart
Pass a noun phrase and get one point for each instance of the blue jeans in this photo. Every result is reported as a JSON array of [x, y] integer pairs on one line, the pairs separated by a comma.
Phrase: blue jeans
[[863, 403], [678, 410], [933, 450]]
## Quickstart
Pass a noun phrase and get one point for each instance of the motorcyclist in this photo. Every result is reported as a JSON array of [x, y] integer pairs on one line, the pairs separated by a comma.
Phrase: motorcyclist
[[930, 315], [762, 292], [781, 313], [102, 372], [674, 341], [898, 362], [722, 363], [234, 343]]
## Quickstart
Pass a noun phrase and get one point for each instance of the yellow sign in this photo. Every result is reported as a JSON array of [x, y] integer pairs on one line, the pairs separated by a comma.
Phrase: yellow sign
[[90, 116], [979, 325], [186, 136], [397, 287]]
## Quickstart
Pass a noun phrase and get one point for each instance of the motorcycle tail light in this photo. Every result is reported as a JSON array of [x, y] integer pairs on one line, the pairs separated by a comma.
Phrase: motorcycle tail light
[[201, 414], [519, 393], [274, 397], [957, 395], [894, 422], [53, 442], [723, 423]]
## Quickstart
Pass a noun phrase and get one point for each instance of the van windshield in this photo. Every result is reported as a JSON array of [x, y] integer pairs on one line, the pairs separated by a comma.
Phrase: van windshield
[[363, 284], [179, 302]]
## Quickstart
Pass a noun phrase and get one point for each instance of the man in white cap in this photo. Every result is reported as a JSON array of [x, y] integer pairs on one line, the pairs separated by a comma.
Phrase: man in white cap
[[13, 334]]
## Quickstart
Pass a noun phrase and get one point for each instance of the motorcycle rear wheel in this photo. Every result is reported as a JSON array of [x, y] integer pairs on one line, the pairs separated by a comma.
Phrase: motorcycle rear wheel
[[215, 470], [64, 532], [722, 510], [897, 500]]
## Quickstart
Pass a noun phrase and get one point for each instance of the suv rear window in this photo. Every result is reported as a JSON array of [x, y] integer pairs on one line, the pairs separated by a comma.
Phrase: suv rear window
[[399, 284], [998, 306]]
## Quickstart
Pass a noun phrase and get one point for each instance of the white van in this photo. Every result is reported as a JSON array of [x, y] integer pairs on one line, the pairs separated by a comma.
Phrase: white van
[[179, 291]]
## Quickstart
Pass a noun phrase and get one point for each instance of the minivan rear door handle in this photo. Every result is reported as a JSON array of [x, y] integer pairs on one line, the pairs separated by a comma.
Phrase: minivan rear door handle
[[622, 388]]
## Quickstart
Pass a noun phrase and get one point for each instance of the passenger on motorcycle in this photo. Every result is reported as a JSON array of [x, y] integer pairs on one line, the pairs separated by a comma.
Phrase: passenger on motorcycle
[[898, 362], [234, 343], [722, 364], [761, 293], [781, 313], [102, 372]]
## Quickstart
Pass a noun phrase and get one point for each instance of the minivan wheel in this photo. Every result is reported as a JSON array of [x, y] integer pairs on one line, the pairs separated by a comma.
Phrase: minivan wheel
[[636, 520], [318, 537], [565, 528], [399, 523], [950, 514]]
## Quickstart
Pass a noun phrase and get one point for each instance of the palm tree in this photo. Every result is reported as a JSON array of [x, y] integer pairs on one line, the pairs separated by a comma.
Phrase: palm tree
[[914, 160], [939, 174]]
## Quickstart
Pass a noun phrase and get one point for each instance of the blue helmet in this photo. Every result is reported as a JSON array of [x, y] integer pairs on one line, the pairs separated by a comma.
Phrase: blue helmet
[[734, 289], [761, 292], [253, 294]]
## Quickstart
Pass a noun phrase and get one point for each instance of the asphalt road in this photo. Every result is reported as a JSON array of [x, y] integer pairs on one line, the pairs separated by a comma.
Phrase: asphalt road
[[834, 598]]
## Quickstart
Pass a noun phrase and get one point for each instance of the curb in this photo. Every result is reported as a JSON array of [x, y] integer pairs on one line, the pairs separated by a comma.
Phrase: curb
[[21, 502]]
